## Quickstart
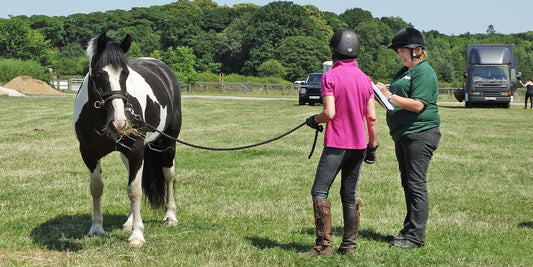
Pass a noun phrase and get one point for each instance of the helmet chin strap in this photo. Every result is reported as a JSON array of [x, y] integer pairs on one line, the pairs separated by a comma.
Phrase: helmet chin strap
[[415, 57]]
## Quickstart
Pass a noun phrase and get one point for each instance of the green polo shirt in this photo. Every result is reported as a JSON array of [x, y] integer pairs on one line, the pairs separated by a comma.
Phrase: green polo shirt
[[419, 83]]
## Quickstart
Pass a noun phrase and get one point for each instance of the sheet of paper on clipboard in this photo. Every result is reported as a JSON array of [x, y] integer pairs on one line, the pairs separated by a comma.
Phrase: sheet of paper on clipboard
[[382, 100]]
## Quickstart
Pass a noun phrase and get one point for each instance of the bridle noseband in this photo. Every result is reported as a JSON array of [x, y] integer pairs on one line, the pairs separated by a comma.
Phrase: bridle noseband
[[107, 96]]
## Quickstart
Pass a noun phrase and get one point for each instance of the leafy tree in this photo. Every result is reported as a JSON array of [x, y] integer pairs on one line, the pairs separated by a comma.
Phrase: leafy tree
[[395, 23], [320, 20], [301, 55], [179, 27], [19, 41], [490, 30], [142, 33], [383, 65], [181, 60], [71, 60], [269, 26], [206, 47], [231, 51], [135, 50], [353, 17], [334, 22], [272, 68], [51, 27], [217, 19], [372, 34], [78, 29]]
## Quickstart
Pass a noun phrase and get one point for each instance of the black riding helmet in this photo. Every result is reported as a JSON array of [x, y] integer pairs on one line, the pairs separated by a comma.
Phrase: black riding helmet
[[346, 43], [408, 38]]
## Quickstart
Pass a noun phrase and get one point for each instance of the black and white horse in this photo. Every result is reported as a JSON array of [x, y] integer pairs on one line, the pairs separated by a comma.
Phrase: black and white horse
[[118, 97]]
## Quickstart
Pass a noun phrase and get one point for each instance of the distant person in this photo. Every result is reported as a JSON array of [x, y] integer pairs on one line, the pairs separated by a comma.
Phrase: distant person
[[414, 127], [348, 100], [529, 92]]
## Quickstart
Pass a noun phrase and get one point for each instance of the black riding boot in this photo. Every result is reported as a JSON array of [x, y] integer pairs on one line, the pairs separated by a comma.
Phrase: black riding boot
[[351, 228]]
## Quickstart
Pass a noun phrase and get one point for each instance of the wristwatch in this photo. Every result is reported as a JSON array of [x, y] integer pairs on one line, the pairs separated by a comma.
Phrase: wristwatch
[[390, 96]]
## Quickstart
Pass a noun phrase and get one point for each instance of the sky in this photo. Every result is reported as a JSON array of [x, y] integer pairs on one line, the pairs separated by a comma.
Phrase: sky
[[450, 17]]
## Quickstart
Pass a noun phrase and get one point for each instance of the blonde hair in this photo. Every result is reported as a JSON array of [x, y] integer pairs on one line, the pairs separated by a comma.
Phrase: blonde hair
[[422, 55]]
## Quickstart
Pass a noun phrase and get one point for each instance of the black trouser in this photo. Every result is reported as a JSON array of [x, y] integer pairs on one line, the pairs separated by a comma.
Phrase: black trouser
[[333, 160], [414, 152], [530, 96]]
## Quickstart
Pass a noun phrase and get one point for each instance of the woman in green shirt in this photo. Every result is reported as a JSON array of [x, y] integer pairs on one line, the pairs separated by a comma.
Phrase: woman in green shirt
[[414, 127]]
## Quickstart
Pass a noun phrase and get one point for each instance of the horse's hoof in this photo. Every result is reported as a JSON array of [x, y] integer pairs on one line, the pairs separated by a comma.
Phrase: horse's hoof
[[170, 222], [96, 231], [136, 243]]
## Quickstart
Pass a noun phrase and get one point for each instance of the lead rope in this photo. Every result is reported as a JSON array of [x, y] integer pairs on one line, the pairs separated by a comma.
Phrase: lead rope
[[139, 119], [318, 129]]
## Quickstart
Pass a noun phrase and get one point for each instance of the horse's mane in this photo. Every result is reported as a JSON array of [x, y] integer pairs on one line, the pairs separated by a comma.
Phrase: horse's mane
[[112, 55]]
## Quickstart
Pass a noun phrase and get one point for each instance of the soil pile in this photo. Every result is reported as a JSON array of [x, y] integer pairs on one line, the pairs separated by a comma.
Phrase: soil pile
[[30, 86]]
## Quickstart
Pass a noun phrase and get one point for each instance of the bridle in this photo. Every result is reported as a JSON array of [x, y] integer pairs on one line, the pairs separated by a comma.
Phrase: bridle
[[107, 96]]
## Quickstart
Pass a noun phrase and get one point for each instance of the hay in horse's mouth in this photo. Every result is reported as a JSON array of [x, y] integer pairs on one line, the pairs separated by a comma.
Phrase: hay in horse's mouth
[[128, 130]]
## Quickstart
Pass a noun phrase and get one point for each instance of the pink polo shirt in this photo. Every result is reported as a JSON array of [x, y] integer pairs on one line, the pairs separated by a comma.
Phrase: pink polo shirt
[[352, 89]]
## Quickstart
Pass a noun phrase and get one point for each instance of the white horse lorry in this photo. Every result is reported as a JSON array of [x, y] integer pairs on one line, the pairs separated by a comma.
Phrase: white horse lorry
[[490, 77]]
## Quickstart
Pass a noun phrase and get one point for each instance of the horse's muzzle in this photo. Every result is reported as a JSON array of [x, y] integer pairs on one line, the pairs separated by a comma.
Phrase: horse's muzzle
[[119, 125]]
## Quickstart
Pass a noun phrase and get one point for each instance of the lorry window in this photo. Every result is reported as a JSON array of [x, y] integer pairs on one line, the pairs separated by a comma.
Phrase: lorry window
[[490, 73]]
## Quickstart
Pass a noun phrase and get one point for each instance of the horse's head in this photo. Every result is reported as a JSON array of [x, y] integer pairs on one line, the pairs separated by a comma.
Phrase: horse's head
[[108, 72]]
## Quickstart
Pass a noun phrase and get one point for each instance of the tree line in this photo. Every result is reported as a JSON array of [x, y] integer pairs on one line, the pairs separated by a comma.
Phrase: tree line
[[200, 39]]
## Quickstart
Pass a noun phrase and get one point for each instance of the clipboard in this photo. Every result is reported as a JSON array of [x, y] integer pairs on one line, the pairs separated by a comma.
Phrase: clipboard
[[382, 100]]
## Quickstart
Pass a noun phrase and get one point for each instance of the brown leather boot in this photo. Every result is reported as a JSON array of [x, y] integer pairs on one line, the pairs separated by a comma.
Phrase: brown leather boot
[[322, 210], [351, 228]]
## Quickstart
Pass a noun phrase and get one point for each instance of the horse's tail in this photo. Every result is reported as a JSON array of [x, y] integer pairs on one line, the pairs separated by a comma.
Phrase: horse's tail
[[153, 180]]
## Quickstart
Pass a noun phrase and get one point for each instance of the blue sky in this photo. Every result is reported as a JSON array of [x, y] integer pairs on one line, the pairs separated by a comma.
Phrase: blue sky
[[448, 17]]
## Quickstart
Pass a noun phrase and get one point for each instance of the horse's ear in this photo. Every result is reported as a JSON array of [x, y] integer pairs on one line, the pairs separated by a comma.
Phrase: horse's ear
[[102, 42], [126, 43]]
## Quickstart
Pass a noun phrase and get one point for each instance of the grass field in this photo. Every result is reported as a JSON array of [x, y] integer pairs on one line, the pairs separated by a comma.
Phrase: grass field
[[253, 207]]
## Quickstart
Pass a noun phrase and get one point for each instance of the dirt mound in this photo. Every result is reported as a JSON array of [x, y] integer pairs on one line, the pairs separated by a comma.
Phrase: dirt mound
[[30, 86]]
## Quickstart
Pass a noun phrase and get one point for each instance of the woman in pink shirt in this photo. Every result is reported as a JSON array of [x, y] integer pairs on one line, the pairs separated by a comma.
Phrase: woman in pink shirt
[[348, 100]]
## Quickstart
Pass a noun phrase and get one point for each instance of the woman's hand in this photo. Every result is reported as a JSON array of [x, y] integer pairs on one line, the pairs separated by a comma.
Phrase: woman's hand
[[383, 88]]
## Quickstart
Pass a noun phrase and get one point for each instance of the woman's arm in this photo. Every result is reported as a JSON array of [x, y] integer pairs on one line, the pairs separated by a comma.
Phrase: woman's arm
[[372, 123], [406, 103], [328, 112]]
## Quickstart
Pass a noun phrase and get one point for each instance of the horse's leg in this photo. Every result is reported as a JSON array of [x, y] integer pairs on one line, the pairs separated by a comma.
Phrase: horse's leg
[[97, 187], [135, 193], [128, 225], [170, 216]]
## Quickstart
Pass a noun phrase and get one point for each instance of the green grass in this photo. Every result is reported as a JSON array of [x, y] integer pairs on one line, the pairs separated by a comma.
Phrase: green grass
[[253, 207]]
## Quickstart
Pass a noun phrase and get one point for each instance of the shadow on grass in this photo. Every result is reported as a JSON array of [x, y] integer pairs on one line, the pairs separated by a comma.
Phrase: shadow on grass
[[369, 234], [66, 232], [267, 243], [452, 106], [526, 224]]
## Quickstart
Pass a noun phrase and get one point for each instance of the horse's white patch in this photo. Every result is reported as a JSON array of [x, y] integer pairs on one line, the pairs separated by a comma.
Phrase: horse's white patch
[[81, 98], [140, 89], [119, 117]]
